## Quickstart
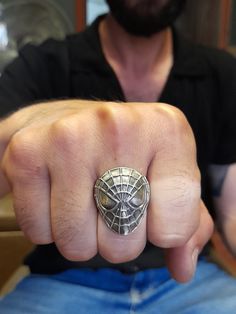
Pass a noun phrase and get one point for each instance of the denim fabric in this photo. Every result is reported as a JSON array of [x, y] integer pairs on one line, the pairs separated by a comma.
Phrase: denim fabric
[[108, 291]]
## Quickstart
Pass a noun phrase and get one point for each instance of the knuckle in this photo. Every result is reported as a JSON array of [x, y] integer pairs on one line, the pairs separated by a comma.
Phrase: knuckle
[[118, 125], [38, 237], [23, 150], [63, 134], [78, 254], [186, 190], [64, 231], [167, 240], [115, 255], [25, 222], [33, 231], [72, 240], [64, 242], [174, 121], [177, 124], [178, 216], [69, 135], [178, 193], [73, 247], [23, 158], [118, 119]]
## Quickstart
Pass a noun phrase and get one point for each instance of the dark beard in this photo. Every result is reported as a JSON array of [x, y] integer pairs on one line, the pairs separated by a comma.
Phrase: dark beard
[[144, 19]]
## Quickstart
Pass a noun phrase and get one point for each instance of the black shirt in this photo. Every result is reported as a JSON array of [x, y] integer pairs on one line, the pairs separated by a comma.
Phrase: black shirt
[[202, 83]]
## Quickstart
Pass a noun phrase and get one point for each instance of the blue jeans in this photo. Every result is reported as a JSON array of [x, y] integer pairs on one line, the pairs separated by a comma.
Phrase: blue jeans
[[108, 291]]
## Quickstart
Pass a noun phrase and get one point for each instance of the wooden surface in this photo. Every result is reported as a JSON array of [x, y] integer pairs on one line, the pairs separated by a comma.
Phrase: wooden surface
[[224, 30], [80, 14], [7, 216], [207, 22], [17, 276], [13, 249], [201, 21], [221, 255], [13, 245]]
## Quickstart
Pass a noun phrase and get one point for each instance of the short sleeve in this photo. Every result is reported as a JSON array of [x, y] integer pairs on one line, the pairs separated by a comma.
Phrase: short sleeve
[[225, 77]]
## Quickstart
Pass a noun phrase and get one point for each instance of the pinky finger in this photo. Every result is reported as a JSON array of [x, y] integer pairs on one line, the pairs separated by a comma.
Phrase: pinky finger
[[31, 197]]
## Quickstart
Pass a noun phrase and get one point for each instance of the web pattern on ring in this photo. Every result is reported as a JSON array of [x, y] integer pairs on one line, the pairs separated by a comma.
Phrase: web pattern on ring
[[122, 196]]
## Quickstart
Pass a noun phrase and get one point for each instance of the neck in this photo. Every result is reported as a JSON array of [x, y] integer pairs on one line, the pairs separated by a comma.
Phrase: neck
[[135, 54]]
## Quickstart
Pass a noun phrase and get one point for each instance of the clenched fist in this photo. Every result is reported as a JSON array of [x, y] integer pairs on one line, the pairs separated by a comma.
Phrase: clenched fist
[[51, 155]]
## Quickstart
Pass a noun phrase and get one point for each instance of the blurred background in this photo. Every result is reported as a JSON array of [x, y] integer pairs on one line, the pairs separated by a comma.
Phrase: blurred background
[[211, 22]]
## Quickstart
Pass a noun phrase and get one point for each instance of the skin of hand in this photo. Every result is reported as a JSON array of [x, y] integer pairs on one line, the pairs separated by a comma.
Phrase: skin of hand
[[52, 154]]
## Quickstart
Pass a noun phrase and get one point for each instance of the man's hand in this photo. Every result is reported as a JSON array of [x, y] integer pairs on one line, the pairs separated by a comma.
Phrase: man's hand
[[52, 154]]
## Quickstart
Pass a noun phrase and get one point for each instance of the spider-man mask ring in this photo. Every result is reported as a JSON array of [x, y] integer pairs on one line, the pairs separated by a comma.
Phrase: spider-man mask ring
[[122, 196]]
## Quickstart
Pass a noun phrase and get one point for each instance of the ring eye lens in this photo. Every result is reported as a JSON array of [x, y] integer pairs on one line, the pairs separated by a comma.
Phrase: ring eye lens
[[138, 199], [106, 201]]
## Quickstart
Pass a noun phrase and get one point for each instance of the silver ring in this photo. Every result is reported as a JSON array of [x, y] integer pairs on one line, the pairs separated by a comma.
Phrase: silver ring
[[122, 195]]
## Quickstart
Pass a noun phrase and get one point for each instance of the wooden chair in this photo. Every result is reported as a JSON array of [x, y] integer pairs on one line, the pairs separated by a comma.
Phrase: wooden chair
[[13, 248]]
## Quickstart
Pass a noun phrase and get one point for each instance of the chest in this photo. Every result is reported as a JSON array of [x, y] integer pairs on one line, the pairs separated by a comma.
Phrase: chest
[[143, 86], [142, 89]]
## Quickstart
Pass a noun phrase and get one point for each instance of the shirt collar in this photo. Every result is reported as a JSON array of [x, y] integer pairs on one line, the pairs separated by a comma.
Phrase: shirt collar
[[187, 59]]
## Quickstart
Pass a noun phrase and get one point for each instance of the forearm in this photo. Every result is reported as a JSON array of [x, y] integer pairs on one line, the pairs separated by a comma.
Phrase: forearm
[[225, 203], [227, 229]]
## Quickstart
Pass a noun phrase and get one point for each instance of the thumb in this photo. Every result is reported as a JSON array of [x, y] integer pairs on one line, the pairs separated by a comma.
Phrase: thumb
[[182, 261]]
